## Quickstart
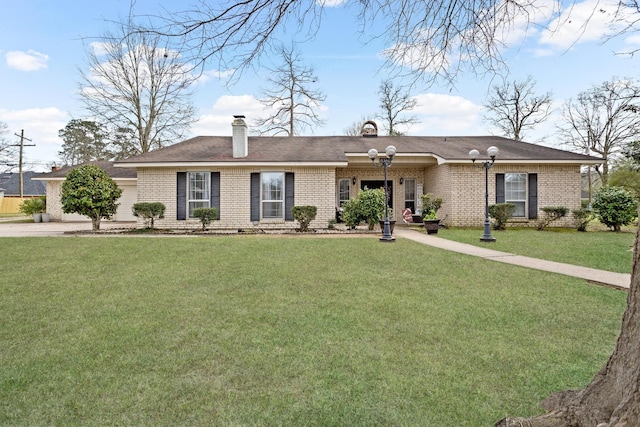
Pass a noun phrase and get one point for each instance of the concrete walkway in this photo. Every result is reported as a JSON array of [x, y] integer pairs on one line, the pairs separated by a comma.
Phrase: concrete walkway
[[607, 278]]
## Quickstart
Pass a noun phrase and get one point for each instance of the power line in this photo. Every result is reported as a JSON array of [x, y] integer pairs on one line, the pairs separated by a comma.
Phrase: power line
[[22, 145]]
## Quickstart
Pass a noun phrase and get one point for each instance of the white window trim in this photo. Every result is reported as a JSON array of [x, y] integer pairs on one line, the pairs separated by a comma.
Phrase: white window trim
[[263, 200], [526, 195], [348, 180], [415, 192], [207, 192]]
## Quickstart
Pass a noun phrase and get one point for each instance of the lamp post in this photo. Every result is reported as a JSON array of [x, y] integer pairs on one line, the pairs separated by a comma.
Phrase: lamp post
[[384, 163], [492, 152]]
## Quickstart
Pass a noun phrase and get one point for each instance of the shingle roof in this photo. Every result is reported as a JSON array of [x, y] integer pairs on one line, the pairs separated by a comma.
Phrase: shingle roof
[[335, 148], [107, 166], [10, 182]]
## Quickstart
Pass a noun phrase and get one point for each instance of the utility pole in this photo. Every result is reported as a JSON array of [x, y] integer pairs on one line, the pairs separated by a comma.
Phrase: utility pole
[[22, 145]]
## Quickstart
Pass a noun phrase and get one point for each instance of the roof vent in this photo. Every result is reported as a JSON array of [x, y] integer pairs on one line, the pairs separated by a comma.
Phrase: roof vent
[[369, 129]]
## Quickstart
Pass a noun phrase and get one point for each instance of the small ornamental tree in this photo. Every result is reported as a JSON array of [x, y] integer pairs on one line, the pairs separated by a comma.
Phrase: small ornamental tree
[[372, 205], [550, 214], [304, 215], [90, 191], [615, 207], [149, 211], [205, 215]]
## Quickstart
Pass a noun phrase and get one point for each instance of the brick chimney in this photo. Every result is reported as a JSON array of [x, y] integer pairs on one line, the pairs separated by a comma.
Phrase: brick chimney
[[240, 138]]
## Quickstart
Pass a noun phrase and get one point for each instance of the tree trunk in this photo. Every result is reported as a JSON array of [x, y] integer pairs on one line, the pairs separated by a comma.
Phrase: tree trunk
[[612, 399], [95, 224]]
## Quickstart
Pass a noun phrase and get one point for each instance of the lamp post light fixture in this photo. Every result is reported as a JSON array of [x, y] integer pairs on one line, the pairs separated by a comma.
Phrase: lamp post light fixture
[[492, 153], [385, 162]]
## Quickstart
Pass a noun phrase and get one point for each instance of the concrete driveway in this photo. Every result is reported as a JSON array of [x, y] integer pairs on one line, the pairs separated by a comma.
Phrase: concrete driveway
[[23, 229]]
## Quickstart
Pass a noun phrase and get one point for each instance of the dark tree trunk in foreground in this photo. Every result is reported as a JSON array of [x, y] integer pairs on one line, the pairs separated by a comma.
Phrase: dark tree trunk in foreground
[[612, 399]]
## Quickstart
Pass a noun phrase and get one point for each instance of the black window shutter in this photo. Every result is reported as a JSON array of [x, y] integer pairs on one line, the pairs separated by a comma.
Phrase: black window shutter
[[181, 200], [499, 188], [289, 196], [255, 197], [533, 195], [215, 191]]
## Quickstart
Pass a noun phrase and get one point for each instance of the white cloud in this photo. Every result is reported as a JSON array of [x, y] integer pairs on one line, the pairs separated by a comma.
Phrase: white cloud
[[446, 115], [41, 126], [331, 3], [27, 61], [217, 119]]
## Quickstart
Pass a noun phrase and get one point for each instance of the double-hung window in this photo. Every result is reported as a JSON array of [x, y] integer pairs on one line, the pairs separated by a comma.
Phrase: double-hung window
[[515, 192], [344, 191], [198, 191], [272, 195], [410, 194]]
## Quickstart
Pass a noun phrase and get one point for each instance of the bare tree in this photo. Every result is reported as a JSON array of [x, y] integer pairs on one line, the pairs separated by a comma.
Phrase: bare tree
[[515, 108], [428, 40], [602, 120], [395, 101], [355, 128], [291, 99], [7, 150], [133, 81]]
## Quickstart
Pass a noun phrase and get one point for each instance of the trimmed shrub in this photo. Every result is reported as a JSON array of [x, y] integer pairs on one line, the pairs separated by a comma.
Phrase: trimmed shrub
[[501, 213], [304, 215], [581, 218], [351, 213], [149, 211], [615, 207], [205, 215], [550, 214]]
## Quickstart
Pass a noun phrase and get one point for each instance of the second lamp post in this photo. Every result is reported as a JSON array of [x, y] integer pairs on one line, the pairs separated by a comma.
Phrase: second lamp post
[[492, 152], [385, 163]]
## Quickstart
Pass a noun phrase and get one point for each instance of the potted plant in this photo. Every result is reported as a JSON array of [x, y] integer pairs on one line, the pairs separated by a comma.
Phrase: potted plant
[[35, 207], [392, 222], [430, 206]]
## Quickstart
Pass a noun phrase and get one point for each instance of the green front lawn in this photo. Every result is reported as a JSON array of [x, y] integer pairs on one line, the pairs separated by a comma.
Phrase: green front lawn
[[604, 250], [268, 331]]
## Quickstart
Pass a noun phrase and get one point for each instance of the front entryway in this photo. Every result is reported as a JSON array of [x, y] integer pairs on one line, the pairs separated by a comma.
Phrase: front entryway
[[374, 184]]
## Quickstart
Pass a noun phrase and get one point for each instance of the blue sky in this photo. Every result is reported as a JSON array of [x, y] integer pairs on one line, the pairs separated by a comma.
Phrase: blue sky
[[42, 49]]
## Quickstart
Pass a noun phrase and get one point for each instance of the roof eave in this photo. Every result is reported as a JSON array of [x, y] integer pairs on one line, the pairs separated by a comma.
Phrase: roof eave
[[229, 164], [533, 161]]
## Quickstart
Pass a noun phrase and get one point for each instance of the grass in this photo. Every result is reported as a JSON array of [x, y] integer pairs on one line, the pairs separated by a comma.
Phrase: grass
[[270, 331], [603, 250]]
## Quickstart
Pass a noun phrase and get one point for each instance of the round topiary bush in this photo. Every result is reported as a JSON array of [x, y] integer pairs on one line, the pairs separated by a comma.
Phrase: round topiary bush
[[615, 207]]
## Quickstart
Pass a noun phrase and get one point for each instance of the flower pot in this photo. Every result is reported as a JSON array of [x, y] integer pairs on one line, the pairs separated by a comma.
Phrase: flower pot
[[392, 223], [45, 217], [431, 225], [37, 217]]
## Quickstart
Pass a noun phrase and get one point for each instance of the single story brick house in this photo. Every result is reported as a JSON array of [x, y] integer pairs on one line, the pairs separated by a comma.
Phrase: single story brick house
[[124, 178], [254, 181]]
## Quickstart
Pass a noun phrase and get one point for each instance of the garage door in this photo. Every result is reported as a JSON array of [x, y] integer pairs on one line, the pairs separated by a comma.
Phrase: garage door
[[127, 200]]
